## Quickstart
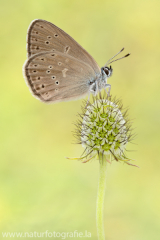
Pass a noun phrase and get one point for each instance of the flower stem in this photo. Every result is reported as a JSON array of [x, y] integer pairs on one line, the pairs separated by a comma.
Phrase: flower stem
[[100, 197]]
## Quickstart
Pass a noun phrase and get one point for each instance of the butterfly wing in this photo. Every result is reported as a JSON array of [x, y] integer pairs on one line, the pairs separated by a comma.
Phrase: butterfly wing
[[45, 36], [55, 76]]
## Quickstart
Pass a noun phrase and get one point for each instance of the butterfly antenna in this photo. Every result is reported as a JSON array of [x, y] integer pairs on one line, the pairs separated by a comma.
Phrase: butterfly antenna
[[120, 58], [113, 57]]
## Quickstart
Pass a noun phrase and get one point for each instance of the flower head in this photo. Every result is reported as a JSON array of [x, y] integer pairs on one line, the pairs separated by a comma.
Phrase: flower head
[[104, 129]]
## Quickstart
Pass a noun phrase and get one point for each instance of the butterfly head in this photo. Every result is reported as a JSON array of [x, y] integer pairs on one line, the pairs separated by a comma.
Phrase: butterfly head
[[108, 71]]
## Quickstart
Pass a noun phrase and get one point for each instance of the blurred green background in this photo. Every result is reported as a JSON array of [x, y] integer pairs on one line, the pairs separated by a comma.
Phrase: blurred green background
[[39, 188]]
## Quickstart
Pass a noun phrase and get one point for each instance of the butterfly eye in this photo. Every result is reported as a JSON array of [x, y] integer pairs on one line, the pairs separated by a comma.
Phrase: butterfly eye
[[106, 71]]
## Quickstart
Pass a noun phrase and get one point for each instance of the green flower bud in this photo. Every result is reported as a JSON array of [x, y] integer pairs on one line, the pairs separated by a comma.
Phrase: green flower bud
[[105, 129]]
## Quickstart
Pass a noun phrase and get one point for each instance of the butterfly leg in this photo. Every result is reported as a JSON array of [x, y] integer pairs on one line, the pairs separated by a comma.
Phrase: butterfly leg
[[88, 100], [108, 86], [97, 88]]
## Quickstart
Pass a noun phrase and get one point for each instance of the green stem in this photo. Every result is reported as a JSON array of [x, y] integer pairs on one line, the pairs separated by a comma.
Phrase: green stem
[[100, 197]]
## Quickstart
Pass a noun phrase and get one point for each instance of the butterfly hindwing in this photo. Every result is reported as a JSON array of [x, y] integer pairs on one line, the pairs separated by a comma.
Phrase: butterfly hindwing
[[55, 76]]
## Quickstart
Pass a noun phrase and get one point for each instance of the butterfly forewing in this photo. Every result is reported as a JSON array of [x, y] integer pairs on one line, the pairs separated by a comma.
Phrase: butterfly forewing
[[55, 76], [45, 36]]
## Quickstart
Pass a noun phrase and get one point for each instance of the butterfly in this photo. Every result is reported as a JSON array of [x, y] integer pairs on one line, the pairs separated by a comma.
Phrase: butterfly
[[58, 68]]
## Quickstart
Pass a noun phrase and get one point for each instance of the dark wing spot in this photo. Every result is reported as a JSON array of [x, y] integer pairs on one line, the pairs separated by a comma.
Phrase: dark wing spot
[[47, 42], [41, 26], [53, 77], [59, 63], [42, 85], [42, 59], [56, 35], [38, 78], [56, 82], [50, 67], [34, 71], [48, 71], [46, 94], [49, 37], [34, 39]]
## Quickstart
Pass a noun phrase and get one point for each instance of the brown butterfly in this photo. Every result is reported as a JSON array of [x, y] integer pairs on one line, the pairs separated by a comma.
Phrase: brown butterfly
[[58, 68]]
